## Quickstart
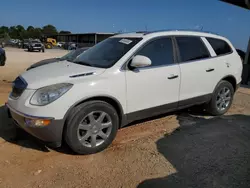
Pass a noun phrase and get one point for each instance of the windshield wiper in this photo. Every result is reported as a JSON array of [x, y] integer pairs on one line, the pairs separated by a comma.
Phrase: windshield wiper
[[83, 63]]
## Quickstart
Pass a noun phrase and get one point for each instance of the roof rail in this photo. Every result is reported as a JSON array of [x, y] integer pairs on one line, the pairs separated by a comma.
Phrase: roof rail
[[141, 31], [196, 30]]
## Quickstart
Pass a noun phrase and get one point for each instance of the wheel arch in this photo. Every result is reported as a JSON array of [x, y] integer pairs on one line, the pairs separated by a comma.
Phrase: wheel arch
[[231, 79], [111, 100]]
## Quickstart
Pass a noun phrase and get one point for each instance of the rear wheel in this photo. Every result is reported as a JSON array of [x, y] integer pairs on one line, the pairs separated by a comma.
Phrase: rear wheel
[[222, 98], [92, 126]]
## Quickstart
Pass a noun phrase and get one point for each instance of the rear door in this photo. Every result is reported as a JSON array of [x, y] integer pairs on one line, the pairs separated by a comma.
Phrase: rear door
[[198, 71], [228, 61]]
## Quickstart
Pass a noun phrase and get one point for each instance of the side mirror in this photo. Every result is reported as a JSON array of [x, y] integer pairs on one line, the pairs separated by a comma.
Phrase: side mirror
[[140, 61]]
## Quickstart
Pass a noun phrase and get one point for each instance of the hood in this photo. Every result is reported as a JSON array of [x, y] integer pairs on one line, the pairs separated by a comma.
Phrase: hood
[[44, 62], [58, 72]]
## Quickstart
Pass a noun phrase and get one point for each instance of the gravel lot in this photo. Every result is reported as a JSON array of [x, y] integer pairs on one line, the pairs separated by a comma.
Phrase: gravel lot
[[18, 60], [182, 149]]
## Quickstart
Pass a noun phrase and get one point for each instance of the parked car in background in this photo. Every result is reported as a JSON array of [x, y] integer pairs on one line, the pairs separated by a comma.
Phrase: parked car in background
[[25, 43], [35, 45], [69, 46], [2, 57], [72, 46], [124, 78], [60, 44], [69, 57]]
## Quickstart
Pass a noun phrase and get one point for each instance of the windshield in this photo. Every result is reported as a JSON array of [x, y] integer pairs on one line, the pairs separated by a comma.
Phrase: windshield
[[72, 55], [106, 53]]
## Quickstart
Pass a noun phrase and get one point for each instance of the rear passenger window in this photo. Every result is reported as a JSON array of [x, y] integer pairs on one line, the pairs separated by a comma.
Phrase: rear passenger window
[[191, 48], [220, 46], [159, 51]]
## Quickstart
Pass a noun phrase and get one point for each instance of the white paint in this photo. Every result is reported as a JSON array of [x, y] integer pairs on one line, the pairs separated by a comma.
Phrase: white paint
[[147, 88], [140, 61]]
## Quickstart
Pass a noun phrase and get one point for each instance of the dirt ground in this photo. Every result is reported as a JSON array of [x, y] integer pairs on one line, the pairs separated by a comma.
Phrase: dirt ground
[[18, 60], [182, 149]]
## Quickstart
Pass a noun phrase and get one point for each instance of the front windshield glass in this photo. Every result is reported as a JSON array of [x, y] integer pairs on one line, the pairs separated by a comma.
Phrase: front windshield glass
[[72, 55], [106, 53]]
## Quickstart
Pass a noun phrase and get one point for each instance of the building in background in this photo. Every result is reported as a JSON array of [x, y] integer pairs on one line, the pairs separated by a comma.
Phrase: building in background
[[82, 39]]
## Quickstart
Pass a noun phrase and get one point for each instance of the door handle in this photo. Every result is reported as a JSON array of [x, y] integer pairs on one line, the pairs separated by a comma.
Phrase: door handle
[[209, 70], [173, 77]]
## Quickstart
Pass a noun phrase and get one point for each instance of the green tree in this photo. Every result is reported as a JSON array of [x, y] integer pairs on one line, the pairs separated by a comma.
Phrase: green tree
[[30, 28], [20, 28], [4, 34], [13, 32], [37, 33], [4, 29], [19, 32], [49, 30], [33, 32]]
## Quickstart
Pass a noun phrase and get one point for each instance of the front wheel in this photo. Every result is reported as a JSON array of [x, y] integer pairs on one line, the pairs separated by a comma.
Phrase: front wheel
[[222, 98], [91, 127]]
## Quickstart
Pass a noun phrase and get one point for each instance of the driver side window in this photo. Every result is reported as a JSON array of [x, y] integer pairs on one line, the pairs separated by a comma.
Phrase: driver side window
[[159, 51]]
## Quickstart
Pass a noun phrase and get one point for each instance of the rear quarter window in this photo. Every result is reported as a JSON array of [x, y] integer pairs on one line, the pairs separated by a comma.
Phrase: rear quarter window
[[220, 47]]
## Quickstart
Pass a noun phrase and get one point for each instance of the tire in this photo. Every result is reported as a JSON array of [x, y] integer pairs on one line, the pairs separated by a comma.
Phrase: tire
[[84, 111], [43, 50], [214, 105]]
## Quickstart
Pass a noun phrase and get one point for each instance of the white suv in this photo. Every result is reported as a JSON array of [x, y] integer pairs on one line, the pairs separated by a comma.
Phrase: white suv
[[124, 78]]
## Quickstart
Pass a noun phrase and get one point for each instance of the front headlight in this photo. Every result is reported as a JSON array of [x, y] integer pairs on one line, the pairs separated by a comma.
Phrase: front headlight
[[48, 94]]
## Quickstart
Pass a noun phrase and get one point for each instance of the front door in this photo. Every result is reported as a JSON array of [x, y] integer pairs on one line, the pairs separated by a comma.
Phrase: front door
[[154, 89]]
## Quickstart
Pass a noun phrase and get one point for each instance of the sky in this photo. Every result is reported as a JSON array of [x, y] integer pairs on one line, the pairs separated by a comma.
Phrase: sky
[[79, 16]]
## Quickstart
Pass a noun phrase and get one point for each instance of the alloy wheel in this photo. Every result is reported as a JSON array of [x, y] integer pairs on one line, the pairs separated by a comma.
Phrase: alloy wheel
[[223, 98], [94, 129]]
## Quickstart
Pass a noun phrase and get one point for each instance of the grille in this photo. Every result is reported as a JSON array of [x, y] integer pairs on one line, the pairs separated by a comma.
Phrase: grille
[[19, 85], [38, 45]]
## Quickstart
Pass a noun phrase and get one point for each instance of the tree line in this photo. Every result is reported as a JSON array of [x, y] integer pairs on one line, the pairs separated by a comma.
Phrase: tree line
[[19, 32]]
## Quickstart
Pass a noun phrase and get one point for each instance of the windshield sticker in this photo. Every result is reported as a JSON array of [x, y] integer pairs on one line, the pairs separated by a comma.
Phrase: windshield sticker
[[125, 41]]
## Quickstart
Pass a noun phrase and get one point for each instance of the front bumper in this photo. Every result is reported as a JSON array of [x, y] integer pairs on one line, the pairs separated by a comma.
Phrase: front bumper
[[35, 48], [50, 134]]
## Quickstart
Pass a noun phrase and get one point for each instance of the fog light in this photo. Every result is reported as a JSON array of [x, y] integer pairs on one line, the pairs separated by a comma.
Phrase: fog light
[[37, 122]]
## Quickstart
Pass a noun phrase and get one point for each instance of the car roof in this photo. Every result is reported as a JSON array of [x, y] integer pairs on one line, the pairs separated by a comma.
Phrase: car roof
[[150, 34]]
